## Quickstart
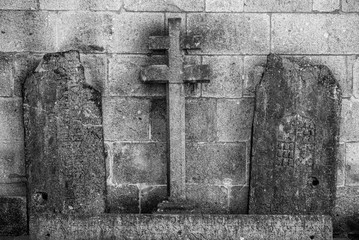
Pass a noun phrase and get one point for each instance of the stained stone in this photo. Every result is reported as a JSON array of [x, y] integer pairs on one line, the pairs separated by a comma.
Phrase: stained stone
[[63, 138], [295, 139]]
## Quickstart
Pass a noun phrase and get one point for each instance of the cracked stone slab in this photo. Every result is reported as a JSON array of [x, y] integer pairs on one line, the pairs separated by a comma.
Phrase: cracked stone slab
[[64, 149], [295, 139]]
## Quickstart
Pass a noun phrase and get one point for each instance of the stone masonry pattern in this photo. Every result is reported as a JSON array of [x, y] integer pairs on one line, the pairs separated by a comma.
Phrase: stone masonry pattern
[[111, 36]]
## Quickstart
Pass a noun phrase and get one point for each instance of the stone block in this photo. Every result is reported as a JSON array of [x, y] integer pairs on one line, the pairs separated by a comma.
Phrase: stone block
[[158, 120], [131, 31], [326, 5], [277, 6], [24, 65], [354, 64], [349, 130], [122, 199], [209, 199], [13, 216], [126, 119], [243, 34], [238, 199], [95, 67], [13, 189], [352, 164], [341, 165], [27, 31], [12, 162], [315, 34], [134, 163], [253, 70], [216, 163], [350, 6], [151, 196], [11, 127], [181, 15], [84, 31], [225, 78], [18, 5], [6, 75], [224, 6], [124, 76], [200, 118], [234, 119], [80, 5], [164, 6]]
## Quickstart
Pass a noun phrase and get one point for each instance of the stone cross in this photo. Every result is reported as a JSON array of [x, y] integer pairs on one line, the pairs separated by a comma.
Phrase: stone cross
[[175, 75]]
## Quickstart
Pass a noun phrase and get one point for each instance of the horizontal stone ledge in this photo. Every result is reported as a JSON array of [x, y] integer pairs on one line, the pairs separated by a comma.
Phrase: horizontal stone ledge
[[186, 226]]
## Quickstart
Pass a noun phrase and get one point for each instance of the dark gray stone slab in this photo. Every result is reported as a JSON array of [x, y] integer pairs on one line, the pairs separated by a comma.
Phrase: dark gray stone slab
[[63, 138], [13, 216], [174, 226], [295, 139]]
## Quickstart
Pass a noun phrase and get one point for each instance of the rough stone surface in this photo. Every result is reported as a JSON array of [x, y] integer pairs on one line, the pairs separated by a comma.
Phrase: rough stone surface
[[11, 127], [201, 119], [238, 199], [355, 71], [126, 119], [13, 216], [80, 5], [158, 120], [131, 31], [350, 6], [164, 5], [226, 77], [352, 164], [295, 140], [277, 5], [341, 165], [122, 198], [27, 31], [95, 67], [326, 5], [216, 163], [234, 119], [123, 76], [331, 34], [151, 196], [350, 120], [11, 162], [84, 31], [13, 189], [139, 163], [243, 34], [64, 149], [224, 5], [6, 75], [156, 226], [19, 5]]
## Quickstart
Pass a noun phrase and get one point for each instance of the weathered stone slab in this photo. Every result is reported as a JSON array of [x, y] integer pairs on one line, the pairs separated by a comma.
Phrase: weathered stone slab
[[166, 226], [64, 149], [13, 218], [295, 139]]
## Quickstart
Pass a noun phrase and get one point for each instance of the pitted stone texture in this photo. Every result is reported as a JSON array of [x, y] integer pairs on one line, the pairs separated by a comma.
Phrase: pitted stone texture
[[6, 75], [226, 77], [164, 5], [331, 34], [95, 66], [295, 139], [277, 6], [243, 34], [151, 196], [224, 6], [27, 31], [216, 163], [64, 149], [11, 127], [234, 119], [123, 198], [238, 199], [13, 216], [170, 226], [126, 119], [19, 4], [350, 120], [350, 6], [352, 164], [80, 5], [326, 5], [84, 31], [12, 162], [201, 119]]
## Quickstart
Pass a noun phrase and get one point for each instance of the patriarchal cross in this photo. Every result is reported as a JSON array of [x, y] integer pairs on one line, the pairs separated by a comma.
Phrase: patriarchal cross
[[175, 75]]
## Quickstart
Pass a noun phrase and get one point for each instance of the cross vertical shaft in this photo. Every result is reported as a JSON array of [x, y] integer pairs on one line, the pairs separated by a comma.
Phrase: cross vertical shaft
[[176, 117]]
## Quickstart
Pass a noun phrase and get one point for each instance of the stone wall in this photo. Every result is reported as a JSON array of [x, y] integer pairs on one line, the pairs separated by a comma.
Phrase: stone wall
[[111, 36]]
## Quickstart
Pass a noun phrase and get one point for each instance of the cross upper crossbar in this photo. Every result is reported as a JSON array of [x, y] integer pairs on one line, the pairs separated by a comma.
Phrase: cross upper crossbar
[[175, 75]]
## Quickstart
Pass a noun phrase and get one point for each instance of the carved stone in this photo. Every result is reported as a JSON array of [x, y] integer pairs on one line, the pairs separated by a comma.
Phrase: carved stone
[[295, 139], [63, 138]]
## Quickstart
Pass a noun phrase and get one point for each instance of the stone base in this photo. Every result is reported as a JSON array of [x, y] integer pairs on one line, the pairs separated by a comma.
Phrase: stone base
[[185, 226]]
